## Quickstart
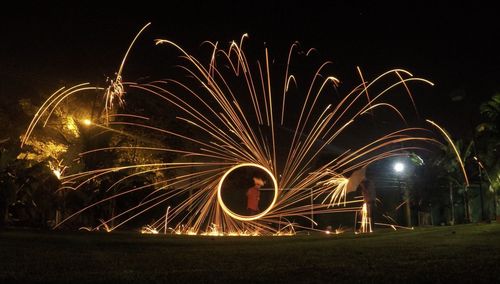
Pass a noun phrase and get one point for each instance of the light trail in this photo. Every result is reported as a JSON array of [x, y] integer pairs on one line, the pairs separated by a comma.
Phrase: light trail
[[239, 112]]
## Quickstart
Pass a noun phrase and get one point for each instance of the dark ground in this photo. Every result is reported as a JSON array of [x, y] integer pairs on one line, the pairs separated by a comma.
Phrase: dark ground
[[462, 254]]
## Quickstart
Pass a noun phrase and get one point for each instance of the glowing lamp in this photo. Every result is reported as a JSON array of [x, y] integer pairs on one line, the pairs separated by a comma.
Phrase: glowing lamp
[[399, 167], [87, 122]]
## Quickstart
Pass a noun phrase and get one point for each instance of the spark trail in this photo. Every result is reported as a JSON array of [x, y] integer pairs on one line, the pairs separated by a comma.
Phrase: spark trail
[[244, 114]]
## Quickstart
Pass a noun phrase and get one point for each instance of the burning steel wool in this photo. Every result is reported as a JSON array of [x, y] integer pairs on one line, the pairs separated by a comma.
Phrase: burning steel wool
[[246, 117]]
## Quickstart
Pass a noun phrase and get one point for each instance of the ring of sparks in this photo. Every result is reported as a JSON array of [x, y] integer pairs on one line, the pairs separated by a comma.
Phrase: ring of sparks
[[243, 217]]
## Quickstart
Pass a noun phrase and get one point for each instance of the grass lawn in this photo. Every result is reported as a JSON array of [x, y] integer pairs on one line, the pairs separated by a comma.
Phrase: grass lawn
[[463, 253]]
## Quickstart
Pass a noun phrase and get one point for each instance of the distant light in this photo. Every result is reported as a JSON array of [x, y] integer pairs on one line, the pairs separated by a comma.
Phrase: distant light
[[87, 121], [399, 167]]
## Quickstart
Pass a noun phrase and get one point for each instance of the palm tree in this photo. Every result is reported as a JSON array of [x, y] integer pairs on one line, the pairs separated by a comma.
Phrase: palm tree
[[488, 134], [449, 172]]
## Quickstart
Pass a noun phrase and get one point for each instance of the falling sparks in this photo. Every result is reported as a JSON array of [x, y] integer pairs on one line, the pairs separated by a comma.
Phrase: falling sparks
[[149, 230], [337, 231], [238, 134], [115, 92], [366, 223], [457, 154], [57, 168]]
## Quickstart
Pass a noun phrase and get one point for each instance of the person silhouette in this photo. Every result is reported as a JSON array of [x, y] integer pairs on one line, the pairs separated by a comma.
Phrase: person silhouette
[[253, 196]]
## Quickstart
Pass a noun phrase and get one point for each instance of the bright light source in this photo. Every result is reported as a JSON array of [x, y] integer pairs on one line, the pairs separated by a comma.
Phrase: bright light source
[[399, 167], [87, 121], [57, 173]]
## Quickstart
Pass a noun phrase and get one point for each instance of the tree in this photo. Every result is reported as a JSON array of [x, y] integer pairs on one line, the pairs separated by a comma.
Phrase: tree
[[47, 151], [10, 130], [488, 137], [450, 175], [8, 187]]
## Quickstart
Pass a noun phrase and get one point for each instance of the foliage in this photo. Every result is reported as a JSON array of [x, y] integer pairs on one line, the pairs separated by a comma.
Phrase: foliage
[[447, 161], [489, 143]]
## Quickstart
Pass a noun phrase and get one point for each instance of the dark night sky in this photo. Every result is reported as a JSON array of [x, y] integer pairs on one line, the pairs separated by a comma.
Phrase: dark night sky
[[457, 47]]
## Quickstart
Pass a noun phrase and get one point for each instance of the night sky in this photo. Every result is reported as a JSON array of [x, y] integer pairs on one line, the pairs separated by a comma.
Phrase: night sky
[[457, 47]]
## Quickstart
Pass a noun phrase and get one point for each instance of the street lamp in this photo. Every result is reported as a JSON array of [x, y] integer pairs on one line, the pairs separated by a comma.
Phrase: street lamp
[[87, 122], [399, 169]]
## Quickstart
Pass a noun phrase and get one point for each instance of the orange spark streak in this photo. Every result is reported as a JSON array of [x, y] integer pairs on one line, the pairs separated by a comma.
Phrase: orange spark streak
[[448, 138]]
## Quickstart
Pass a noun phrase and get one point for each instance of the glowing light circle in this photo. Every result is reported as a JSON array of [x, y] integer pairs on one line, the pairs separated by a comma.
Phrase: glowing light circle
[[243, 217]]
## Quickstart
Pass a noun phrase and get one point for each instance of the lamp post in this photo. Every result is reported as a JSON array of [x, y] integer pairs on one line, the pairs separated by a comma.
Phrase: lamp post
[[480, 170], [399, 169]]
